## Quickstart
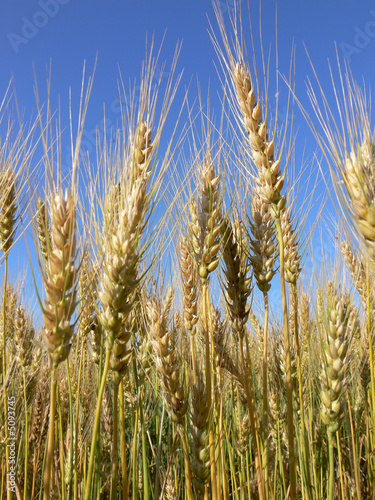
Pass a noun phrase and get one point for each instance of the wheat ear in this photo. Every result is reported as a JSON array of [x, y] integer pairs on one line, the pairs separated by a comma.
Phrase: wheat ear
[[205, 234], [269, 178], [60, 279], [43, 229], [356, 268], [8, 198], [236, 270], [358, 174], [292, 267], [59, 305], [126, 206], [335, 362], [168, 364], [199, 415], [190, 296], [333, 372], [24, 334]]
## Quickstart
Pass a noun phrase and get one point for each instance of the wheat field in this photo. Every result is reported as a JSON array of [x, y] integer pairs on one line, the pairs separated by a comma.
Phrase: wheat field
[[151, 360]]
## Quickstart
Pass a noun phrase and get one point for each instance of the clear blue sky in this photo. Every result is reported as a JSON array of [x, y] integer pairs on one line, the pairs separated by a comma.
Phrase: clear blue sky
[[67, 32]]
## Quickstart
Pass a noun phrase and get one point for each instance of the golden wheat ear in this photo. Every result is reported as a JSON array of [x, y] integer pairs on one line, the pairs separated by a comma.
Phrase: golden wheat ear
[[24, 335], [335, 361], [43, 229], [263, 243], [60, 278], [8, 198]]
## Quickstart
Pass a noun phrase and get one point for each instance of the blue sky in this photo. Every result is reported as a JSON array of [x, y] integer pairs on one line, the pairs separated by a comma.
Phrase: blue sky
[[69, 32]]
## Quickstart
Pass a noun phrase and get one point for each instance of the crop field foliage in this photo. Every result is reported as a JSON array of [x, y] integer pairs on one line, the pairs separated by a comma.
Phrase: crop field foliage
[[152, 360]]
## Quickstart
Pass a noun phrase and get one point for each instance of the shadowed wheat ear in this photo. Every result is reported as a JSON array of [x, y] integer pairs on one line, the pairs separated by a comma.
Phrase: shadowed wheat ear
[[107, 419], [24, 335], [188, 275], [189, 278], [167, 361], [236, 270], [292, 257], [87, 294], [262, 243], [356, 268], [170, 370], [237, 292], [43, 229], [205, 224], [199, 414], [10, 300]]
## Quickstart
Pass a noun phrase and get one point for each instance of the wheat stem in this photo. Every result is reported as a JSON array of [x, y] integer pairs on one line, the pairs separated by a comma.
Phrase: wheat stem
[[205, 309], [331, 481], [288, 369], [222, 453], [134, 464], [246, 368], [96, 426], [59, 438], [76, 424], [48, 479], [114, 494], [145, 466], [188, 486], [71, 437], [355, 463], [265, 392], [124, 472], [303, 437]]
